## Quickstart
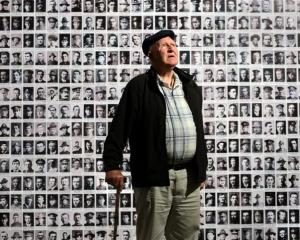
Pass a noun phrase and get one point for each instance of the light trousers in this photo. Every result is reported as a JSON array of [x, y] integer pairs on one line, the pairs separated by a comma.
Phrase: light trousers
[[171, 211]]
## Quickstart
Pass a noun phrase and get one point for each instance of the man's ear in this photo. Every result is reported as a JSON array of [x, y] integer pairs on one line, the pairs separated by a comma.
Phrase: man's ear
[[150, 54]]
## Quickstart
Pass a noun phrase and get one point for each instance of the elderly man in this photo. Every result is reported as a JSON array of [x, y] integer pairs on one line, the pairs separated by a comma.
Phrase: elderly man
[[168, 158]]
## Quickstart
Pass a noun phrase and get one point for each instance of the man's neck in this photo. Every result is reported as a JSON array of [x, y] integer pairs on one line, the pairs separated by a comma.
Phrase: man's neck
[[168, 79], [167, 76]]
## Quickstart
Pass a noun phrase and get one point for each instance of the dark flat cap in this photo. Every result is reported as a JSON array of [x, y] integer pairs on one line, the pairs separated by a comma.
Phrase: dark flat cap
[[155, 37]]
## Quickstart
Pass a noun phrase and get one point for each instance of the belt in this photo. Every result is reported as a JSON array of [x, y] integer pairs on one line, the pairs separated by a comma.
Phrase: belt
[[179, 166]]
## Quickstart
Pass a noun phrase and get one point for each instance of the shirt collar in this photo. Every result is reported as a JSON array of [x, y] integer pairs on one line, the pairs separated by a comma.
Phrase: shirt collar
[[177, 82]]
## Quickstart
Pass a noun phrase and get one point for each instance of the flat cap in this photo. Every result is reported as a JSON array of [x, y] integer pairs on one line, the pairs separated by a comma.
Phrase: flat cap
[[155, 37]]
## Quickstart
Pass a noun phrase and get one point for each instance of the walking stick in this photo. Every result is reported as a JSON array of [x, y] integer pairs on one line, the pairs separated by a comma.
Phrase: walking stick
[[117, 206]]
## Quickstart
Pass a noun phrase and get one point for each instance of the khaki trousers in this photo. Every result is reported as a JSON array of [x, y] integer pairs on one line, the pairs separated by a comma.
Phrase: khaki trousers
[[171, 211]]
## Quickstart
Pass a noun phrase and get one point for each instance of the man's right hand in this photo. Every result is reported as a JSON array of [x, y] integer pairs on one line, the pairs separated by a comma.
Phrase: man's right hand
[[115, 178]]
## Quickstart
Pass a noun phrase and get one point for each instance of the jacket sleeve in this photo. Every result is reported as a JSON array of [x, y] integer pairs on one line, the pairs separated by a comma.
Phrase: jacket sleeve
[[202, 136], [120, 128]]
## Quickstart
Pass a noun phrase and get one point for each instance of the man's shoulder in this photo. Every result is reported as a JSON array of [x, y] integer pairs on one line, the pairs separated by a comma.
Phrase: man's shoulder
[[137, 81], [183, 75]]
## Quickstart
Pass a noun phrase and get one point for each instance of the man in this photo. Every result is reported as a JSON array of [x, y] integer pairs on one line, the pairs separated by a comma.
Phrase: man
[[16, 220], [28, 58], [28, 219], [160, 165], [52, 220], [65, 219]]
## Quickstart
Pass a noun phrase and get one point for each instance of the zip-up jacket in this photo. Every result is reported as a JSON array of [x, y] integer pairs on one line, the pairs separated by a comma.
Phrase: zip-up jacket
[[141, 118]]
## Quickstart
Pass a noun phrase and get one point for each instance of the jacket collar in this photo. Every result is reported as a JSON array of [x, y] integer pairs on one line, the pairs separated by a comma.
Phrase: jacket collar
[[183, 76]]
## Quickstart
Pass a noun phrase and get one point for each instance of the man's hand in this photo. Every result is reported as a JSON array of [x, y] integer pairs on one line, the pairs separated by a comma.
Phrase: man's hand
[[115, 178], [202, 185]]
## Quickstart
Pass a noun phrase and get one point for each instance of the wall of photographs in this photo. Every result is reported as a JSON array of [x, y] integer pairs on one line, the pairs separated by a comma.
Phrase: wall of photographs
[[63, 67]]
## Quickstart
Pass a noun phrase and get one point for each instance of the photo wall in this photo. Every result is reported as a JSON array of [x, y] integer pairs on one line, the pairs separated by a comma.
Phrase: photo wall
[[63, 67]]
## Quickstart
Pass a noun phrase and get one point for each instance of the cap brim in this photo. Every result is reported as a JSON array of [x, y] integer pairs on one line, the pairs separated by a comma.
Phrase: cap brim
[[147, 43]]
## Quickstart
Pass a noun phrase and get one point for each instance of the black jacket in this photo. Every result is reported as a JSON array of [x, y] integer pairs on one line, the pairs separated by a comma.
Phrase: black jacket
[[141, 118]]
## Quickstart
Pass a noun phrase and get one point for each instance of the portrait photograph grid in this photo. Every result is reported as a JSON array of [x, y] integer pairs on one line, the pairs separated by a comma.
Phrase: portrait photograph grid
[[64, 65]]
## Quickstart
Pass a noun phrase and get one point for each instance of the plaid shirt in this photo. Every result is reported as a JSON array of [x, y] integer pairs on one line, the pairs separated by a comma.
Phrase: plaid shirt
[[181, 136]]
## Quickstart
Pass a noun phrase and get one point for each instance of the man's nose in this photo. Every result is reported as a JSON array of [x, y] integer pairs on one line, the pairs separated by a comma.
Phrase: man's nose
[[170, 49]]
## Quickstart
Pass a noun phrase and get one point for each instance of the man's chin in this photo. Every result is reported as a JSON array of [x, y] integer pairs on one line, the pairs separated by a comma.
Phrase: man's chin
[[172, 64]]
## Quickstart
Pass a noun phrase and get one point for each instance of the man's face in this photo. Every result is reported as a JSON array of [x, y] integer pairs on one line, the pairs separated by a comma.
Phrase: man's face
[[40, 112], [244, 109], [113, 40], [126, 235], [88, 145], [4, 58], [267, 40], [27, 57], [112, 92], [164, 53], [294, 144], [209, 144], [292, 109], [76, 183], [101, 75], [221, 110], [208, 22], [124, 39], [231, 57], [208, 74], [231, 5], [222, 183], [136, 56], [16, 93], [65, 57], [245, 180], [76, 76], [27, 219], [3, 76], [3, 164], [233, 199], [39, 182], [124, 23], [220, 75], [232, 93], [52, 146], [65, 218], [279, 21], [126, 219], [3, 147], [52, 182], [195, 23], [89, 75], [207, 57], [293, 198], [270, 216], [258, 145], [270, 181], [292, 92], [266, 6], [246, 216], [40, 147], [64, 94], [40, 40], [3, 202], [280, 127], [40, 235], [257, 217], [220, 92], [52, 236], [233, 145], [88, 5]]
